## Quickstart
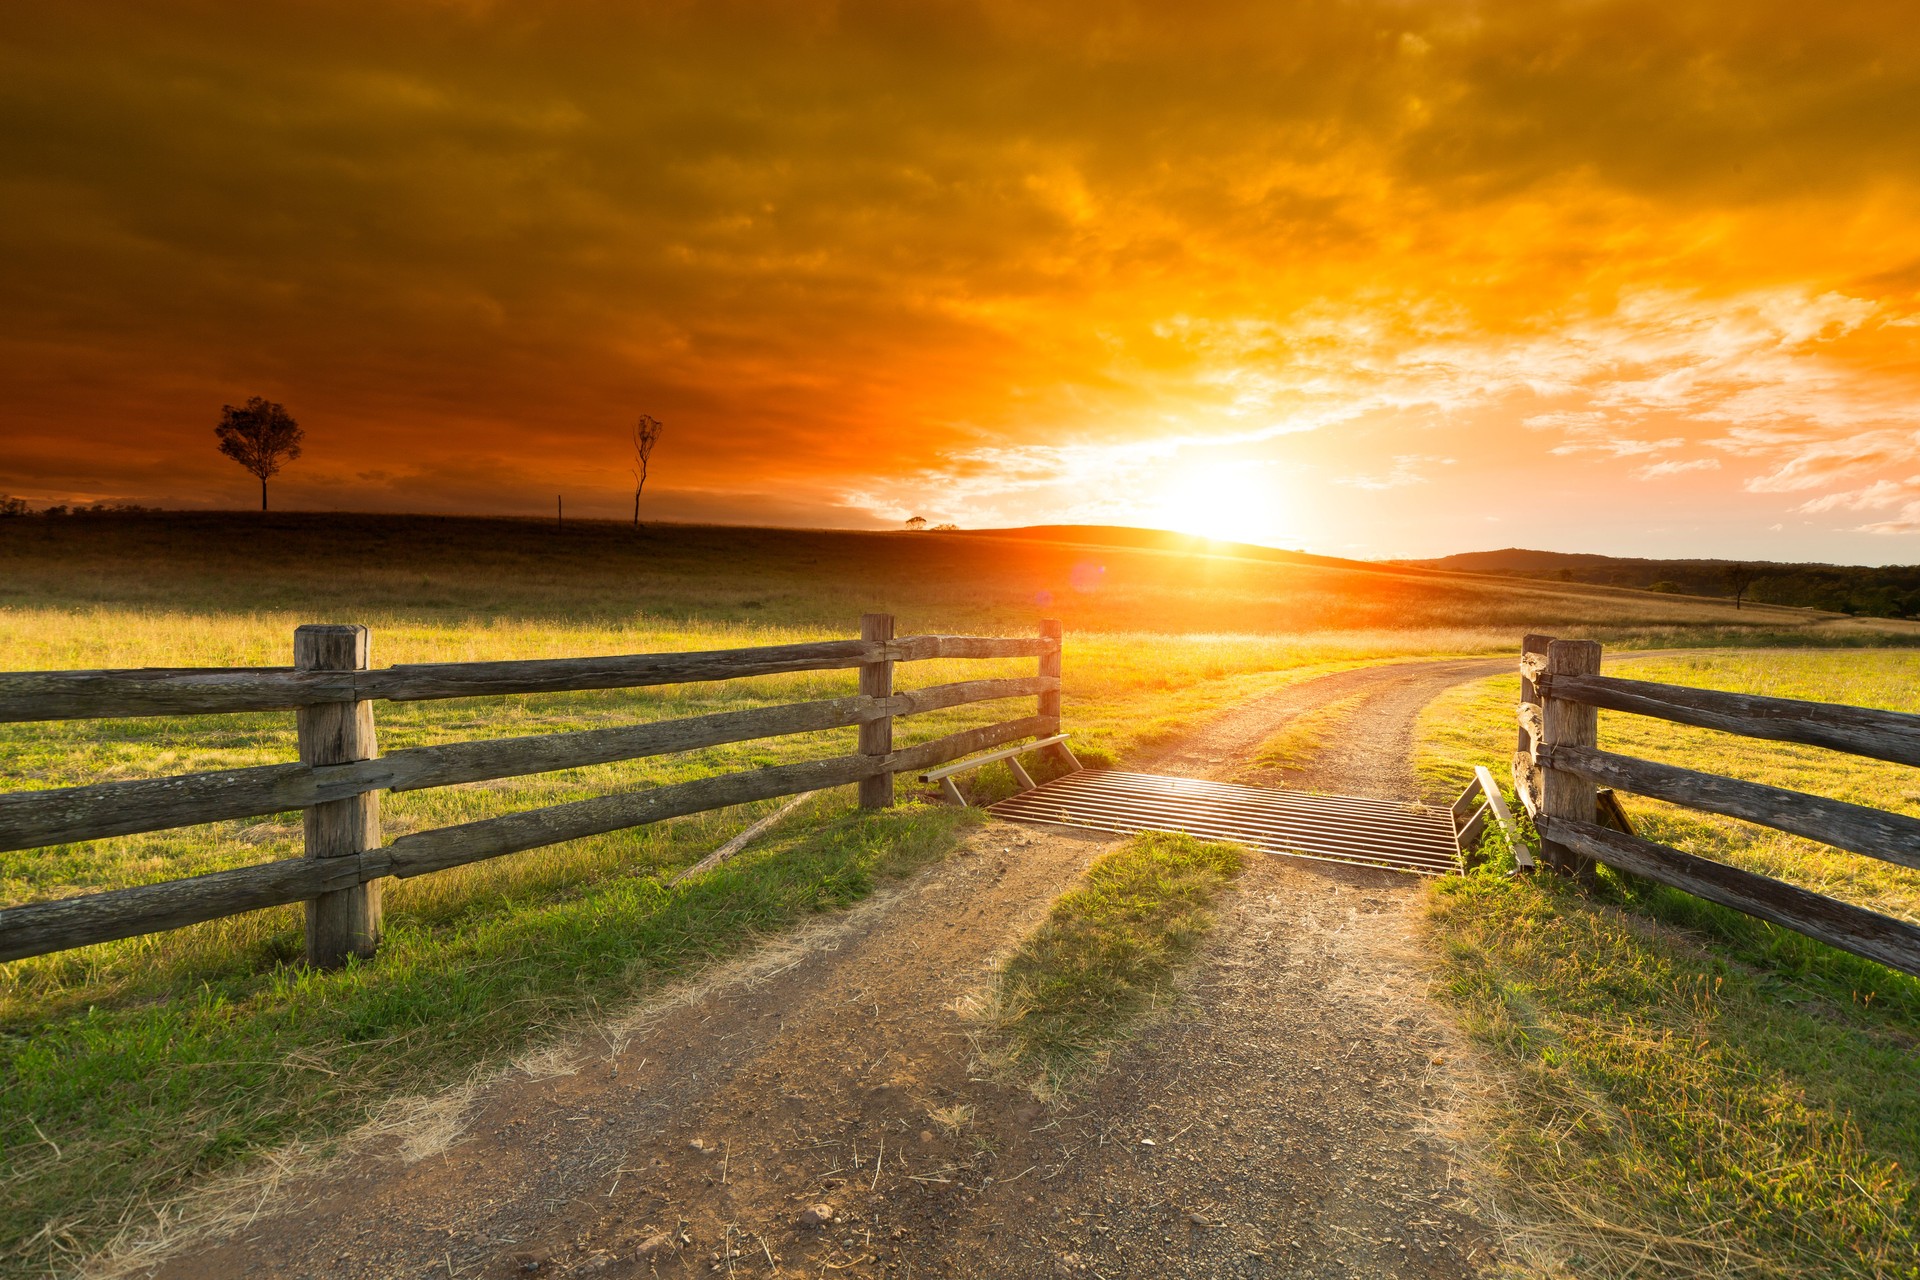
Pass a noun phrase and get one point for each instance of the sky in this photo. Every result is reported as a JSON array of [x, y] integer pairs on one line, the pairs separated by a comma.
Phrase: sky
[[1368, 279]]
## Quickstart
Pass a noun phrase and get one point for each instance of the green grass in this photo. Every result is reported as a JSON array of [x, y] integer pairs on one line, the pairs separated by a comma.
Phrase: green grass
[[1687, 1090], [135, 1097], [1106, 954], [152, 1062], [1293, 748]]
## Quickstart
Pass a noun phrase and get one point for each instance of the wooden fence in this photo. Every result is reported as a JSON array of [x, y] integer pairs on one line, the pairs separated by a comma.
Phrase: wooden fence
[[339, 774], [1559, 766]]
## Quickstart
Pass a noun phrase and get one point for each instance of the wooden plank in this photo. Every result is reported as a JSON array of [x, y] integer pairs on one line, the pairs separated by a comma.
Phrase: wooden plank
[[1567, 723], [41, 927], [734, 846], [1860, 731], [29, 819], [1464, 801], [437, 850], [1891, 942], [341, 923], [936, 774], [1468, 836], [558, 675], [1522, 854], [163, 691], [964, 743], [917, 648], [70, 695], [425, 851], [907, 702], [876, 735], [1050, 669], [1892, 837], [1609, 812]]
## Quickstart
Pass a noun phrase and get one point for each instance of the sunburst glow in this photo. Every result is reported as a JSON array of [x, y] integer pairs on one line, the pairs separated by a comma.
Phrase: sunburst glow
[[1230, 501]]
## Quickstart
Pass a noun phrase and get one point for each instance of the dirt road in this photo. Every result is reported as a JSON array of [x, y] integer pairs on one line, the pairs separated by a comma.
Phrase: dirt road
[[1290, 1117]]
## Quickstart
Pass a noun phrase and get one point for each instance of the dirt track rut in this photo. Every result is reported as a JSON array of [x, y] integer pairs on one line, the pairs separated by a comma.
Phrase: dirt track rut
[[1289, 1117]]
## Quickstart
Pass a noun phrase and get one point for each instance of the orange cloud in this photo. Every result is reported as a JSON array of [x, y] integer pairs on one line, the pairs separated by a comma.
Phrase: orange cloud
[[983, 262]]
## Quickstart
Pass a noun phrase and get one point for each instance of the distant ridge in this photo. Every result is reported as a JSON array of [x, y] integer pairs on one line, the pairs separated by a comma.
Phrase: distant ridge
[[1117, 535], [1890, 591]]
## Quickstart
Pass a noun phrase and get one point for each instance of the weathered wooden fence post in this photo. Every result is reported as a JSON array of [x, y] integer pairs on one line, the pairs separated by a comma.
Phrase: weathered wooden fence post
[[876, 736], [1568, 724], [345, 922], [1049, 703], [1526, 776]]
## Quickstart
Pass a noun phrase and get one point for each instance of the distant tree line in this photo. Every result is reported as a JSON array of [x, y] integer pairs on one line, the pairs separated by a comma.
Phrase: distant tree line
[[1888, 591], [12, 506]]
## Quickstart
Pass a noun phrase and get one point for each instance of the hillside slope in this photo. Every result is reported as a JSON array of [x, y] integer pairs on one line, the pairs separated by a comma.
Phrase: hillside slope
[[445, 568]]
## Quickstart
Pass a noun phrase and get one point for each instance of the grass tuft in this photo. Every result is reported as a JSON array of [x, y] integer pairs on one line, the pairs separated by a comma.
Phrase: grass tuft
[[1104, 957]]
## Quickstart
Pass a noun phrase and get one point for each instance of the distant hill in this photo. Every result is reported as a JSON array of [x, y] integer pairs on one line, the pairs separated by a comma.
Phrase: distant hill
[[1890, 591], [1114, 535]]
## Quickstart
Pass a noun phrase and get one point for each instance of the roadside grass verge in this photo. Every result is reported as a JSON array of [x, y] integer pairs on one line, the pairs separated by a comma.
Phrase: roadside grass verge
[[1689, 1091], [1294, 746], [132, 1099], [1672, 1107], [1105, 956]]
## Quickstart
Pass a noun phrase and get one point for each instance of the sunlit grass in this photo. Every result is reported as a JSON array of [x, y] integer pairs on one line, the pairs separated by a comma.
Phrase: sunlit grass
[[169, 1074], [1105, 954], [1692, 1091], [1282, 755], [152, 1061]]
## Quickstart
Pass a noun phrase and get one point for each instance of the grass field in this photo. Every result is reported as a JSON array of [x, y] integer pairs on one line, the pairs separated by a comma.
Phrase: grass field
[[1105, 956], [131, 1070], [1689, 1091]]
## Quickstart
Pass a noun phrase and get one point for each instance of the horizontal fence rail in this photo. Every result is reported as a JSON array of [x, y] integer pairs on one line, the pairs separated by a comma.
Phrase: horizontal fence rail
[[32, 819], [29, 819], [172, 691], [1893, 837], [1862, 731], [1894, 943], [1559, 764]]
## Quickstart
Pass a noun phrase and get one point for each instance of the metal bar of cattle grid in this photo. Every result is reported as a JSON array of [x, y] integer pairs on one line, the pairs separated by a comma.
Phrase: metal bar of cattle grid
[[1343, 829]]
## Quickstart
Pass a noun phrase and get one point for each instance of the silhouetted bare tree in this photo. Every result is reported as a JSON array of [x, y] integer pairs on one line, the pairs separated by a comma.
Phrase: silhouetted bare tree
[[1739, 577], [646, 434], [917, 523], [260, 436]]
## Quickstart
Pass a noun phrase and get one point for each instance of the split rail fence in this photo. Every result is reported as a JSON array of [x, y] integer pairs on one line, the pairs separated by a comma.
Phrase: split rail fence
[[336, 781], [1559, 766]]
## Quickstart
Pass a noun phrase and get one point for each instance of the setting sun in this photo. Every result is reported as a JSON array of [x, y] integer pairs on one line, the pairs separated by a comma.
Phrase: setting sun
[[1231, 501]]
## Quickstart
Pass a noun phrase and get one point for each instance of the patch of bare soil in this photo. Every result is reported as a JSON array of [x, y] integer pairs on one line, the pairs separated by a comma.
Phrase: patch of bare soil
[[815, 1110]]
